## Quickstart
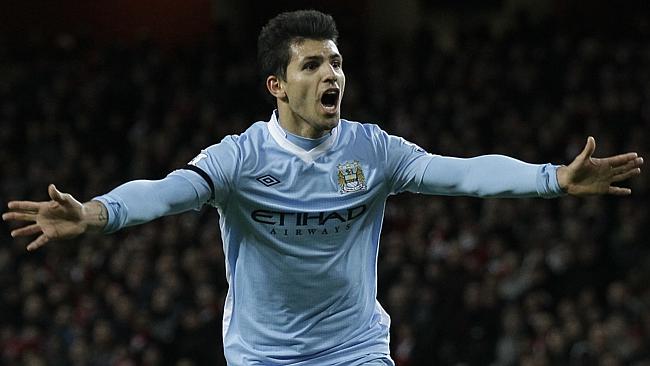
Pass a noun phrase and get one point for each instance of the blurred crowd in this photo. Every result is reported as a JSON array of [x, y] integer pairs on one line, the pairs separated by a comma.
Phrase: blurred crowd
[[466, 281]]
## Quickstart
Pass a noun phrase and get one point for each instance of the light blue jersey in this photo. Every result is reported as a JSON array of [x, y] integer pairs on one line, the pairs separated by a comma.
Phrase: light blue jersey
[[301, 231]]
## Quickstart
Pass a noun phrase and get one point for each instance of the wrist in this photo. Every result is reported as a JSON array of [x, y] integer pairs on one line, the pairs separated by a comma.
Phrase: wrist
[[94, 216], [562, 178]]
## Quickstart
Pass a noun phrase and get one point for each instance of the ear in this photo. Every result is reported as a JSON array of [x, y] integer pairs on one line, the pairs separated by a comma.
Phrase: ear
[[275, 87]]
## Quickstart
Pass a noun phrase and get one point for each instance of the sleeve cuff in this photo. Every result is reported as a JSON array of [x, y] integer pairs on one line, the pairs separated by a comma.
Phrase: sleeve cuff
[[547, 183]]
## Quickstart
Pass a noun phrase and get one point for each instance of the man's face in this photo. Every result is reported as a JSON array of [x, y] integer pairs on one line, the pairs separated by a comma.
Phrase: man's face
[[313, 87]]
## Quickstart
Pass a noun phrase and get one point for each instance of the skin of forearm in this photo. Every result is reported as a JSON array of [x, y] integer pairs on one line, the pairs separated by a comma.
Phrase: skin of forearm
[[94, 216]]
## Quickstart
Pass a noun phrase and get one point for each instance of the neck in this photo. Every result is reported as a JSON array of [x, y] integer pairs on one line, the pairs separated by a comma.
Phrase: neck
[[297, 125]]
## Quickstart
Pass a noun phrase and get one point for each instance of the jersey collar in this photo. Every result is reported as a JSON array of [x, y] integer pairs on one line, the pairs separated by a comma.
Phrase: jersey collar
[[307, 156]]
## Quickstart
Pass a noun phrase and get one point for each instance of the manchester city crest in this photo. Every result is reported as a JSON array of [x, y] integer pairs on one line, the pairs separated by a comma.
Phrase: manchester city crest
[[351, 178]]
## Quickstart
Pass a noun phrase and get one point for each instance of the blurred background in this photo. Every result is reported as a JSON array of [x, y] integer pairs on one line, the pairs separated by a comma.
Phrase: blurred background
[[99, 92]]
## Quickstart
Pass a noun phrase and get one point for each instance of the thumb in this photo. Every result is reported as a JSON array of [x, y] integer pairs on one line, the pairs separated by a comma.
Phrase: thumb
[[54, 193], [590, 146]]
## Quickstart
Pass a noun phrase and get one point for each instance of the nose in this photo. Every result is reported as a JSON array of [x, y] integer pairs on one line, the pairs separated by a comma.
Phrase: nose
[[329, 74]]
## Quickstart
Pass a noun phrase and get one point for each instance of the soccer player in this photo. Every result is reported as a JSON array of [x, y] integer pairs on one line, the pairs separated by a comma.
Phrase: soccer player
[[301, 200]]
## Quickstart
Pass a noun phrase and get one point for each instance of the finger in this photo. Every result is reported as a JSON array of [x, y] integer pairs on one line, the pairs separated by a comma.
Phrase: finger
[[618, 191], [20, 216], [590, 146], [635, 163], [38, 242], [618, 160], [627, 175], [27, 230], [25, 206], [54, 193]]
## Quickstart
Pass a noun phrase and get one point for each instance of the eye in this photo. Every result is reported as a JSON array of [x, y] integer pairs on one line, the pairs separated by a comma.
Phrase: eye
[[336, 64], [311, 65]]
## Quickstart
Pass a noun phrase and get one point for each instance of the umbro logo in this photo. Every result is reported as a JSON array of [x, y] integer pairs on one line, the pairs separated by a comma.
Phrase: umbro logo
[[268, 180]]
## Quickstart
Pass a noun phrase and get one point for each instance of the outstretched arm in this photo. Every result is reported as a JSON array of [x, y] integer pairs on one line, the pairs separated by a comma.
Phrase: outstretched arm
[[497, 176], [502, 176], [133, 203], [63, 217], [587, 175]]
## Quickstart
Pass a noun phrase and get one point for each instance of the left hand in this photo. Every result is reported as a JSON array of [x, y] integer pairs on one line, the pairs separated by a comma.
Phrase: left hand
[[590, 176]]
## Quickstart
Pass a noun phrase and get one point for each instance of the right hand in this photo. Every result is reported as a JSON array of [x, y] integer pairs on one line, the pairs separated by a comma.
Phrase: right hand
[[60, 218]]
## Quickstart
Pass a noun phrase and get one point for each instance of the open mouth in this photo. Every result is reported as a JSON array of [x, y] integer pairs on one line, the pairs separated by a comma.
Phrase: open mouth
[[329, 100]]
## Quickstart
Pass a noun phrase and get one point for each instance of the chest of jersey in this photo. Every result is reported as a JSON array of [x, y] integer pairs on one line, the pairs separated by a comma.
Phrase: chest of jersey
[[283, 196]]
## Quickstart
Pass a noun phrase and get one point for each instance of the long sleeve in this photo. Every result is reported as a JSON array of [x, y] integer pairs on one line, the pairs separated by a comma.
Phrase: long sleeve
[[205, 180], [489, 176], [140, 201]]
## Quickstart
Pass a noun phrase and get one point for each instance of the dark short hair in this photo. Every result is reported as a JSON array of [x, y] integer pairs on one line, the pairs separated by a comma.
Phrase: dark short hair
[[276, 37]]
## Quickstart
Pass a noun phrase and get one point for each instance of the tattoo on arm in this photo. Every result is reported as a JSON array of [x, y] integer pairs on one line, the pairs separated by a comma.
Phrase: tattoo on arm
[[103, 214], [96, 215]]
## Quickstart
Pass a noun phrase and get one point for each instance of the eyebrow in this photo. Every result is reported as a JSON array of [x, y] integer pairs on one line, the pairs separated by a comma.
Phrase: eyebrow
[[333, 56]]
